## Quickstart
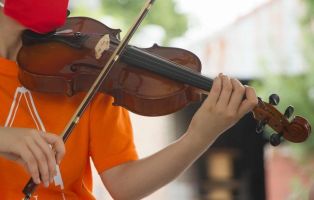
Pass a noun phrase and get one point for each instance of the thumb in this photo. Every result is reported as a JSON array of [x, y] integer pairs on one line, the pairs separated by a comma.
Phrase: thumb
[[57, 144]]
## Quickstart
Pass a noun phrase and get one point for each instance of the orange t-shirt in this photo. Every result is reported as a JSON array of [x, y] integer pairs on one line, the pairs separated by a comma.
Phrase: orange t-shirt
[[104, 134]]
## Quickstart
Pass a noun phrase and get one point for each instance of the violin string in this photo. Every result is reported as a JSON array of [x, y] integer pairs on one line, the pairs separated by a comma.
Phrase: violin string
[[153, 59], [169, 69], [140, 54], [159, 64]]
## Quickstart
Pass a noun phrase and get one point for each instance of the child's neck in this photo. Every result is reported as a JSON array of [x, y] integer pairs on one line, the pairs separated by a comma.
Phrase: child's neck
[[10, 37]]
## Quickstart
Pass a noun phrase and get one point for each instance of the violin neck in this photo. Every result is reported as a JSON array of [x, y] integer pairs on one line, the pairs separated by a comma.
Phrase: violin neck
[[166, 68]]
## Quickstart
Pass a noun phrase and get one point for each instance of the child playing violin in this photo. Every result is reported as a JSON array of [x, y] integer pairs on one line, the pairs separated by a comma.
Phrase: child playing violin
[[31, 121]]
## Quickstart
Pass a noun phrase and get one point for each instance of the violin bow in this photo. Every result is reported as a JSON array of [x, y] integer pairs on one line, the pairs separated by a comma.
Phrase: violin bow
[[31, 185]]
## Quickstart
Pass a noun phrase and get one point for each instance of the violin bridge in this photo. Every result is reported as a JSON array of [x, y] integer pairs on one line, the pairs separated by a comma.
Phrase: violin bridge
[[102, 45]]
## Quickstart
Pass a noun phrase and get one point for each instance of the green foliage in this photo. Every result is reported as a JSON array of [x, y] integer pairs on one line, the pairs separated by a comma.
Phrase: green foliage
[[306, 83], [162, 13], [298, 191]]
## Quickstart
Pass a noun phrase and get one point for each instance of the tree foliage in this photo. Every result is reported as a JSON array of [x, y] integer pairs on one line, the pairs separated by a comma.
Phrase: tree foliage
[[163, 13], [307, 25]]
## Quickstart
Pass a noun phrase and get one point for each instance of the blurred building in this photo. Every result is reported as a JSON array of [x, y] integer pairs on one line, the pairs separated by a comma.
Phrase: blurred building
[[267, 40]]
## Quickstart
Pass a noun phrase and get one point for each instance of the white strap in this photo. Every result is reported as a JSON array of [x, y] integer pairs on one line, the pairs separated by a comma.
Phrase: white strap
[[57, 178], [13, 108], [19, 92], [33, 108], [58, 181]]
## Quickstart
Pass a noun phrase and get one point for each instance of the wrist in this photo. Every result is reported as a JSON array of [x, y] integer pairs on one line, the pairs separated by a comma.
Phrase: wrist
[[199, 140], [203, 136]]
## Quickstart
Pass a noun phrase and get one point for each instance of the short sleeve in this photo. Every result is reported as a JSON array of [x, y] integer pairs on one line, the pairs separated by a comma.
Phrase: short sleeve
[[111, 136]]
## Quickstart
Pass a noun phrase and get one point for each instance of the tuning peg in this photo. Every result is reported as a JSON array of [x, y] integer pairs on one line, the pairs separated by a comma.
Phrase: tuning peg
[[289, 111], [260, 127], [274, 99], [275, 139]]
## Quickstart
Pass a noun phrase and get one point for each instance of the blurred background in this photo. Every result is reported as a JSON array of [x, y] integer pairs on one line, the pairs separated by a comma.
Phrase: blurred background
[[264, 43]]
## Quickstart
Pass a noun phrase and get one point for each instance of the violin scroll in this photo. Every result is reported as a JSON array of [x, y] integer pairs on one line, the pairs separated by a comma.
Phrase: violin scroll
[[297, 130]]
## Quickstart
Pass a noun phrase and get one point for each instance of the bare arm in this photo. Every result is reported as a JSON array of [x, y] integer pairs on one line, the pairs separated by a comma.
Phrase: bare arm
[[223, 107]]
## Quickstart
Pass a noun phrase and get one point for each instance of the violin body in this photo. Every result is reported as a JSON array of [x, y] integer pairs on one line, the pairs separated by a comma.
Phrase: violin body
[[67, 64]]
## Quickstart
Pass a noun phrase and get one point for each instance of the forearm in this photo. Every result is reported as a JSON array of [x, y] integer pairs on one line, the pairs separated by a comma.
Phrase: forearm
[[223, 107], [142, 177]]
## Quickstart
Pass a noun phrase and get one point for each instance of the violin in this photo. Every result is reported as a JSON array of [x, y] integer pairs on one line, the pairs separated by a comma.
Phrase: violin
[[148, 81]]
